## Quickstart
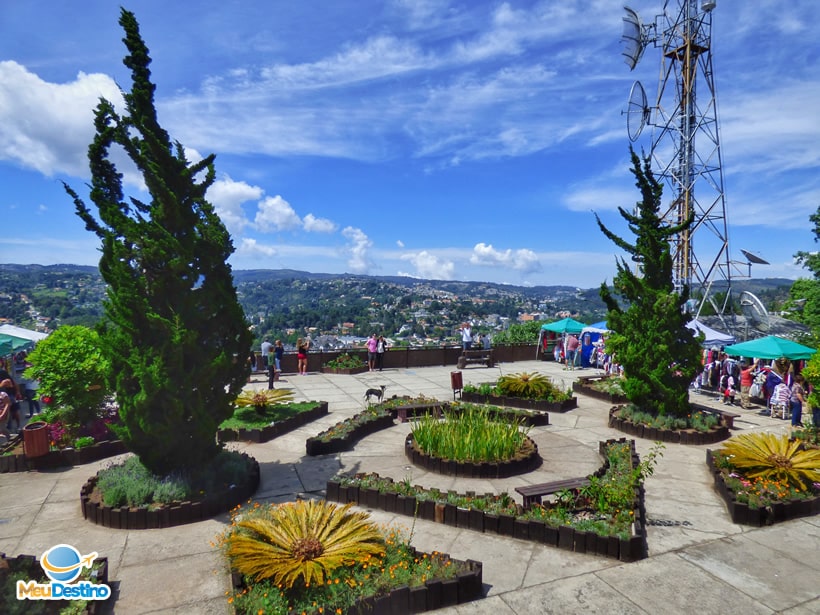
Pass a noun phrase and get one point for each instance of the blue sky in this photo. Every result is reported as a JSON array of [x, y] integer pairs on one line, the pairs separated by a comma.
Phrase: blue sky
[[449, 140]]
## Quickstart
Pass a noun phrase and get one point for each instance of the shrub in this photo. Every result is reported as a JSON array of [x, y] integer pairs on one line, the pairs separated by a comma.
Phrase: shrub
[[529, 386], [769, 456], [345, 361], [304, 540]]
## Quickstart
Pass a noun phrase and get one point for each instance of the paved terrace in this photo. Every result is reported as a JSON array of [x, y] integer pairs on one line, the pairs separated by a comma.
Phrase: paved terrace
[[699, 562]]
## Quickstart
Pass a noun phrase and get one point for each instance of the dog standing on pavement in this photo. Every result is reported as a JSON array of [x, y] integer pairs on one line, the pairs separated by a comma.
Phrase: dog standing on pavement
[[377, 393]]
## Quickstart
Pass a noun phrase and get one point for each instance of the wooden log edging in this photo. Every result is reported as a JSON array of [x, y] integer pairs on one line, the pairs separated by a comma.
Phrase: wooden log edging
[[269, 432], [536, 418], [684, 436], [743, 514], [170, 515], [316, 446], [61, 458], [519, 402], [626, 550], [466, 469], [583, 387], [431, 595]]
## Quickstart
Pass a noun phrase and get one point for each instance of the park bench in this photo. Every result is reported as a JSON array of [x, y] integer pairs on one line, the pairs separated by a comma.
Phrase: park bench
[[532, 494], [728, 417], [475, 356]]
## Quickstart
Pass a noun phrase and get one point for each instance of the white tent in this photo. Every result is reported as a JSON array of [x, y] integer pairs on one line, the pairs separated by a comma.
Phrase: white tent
[[26, 334], [713, 338]]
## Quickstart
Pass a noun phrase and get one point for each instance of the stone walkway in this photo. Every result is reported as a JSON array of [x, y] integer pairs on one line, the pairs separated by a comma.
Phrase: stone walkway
[[699, 561]]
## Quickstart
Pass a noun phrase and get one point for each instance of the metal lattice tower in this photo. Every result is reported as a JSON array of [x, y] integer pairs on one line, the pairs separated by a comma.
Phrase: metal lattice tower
[[685, 141]]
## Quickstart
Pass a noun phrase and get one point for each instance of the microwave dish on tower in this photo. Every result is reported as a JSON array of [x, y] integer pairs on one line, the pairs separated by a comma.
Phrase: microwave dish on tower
[[637, 111], [754, 312]]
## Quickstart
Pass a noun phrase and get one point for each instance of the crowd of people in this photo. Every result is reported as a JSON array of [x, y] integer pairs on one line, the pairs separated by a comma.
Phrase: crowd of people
[[14, 389]]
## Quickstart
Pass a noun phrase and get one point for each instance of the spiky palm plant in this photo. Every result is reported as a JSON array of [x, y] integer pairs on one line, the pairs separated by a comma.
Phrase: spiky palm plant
[[526, 384], [301, 540], [771, 456], [260, 399]]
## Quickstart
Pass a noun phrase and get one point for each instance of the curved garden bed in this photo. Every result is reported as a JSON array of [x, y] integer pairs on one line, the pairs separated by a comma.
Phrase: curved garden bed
[[18, 462], [678, 436], [743, 514], [530, 418], [162, 516], [343, 435], [520, 402], [583, 385], [275, 430], [345, 371], [526, 460], [416, 501], [432, 594]]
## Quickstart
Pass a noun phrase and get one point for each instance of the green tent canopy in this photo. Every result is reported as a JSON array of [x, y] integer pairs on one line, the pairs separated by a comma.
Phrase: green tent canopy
[[770, 347], [11, 343], [567, 325]]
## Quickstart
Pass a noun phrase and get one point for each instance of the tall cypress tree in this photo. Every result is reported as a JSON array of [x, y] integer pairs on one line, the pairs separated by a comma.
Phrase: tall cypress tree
[[659, 354], [174, 330]]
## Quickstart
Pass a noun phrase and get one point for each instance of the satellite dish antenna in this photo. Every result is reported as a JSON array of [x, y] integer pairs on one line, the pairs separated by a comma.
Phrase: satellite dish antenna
[[754, 258], [754, 312], [632, 38], [637, 111]]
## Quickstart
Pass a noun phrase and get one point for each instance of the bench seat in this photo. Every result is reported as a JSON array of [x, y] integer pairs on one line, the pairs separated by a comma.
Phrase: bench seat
[[475, 356], [532, 494], [728, 417]]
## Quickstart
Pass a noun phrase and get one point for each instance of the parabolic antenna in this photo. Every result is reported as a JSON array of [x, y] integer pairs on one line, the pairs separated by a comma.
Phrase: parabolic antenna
[[632, 38], [637, 111], [754, 312], [754, 258]]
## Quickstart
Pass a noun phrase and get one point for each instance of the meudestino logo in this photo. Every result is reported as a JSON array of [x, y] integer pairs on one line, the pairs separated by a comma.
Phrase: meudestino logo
[[63, 565]]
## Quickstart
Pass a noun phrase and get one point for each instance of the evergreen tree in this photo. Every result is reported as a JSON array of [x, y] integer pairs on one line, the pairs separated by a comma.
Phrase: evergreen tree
[[174, 332], [659, 354]]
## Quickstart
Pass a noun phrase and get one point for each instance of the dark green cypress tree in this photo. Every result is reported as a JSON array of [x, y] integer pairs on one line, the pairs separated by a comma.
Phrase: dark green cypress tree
[[174, 330], [659, 354]]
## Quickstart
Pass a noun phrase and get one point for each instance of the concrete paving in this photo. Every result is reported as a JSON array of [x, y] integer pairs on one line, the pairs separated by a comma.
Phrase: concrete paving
[[699, 561]]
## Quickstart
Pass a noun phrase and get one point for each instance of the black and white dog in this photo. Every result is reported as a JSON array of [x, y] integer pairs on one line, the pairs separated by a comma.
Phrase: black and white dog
[[377, 393]]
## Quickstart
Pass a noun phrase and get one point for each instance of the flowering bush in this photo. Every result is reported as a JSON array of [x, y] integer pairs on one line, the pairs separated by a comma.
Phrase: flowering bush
[[345, 361]]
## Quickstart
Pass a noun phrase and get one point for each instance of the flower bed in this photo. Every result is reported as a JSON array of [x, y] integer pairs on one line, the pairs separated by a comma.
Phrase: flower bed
[[526, 460], [519, 402], [162, 516], [757, 514], [529, 418], [27, 568], [585, 385], [274, 430], [346, 371], [495, 513], [13, 459], [678, 436], [343, 435]]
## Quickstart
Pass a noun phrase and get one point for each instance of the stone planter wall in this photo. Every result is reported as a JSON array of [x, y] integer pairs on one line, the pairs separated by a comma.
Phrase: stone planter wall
[[62, 458], [180, 513], [433, 594], [518, 402], [347, 371], [273, 431], [527, 462], [628, 550], [742, 514], [685, 436], [316, 446]]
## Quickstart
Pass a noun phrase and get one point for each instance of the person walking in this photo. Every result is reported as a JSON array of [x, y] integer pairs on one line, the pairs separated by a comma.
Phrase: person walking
[[572, 351], [797, 400], [747, 377]]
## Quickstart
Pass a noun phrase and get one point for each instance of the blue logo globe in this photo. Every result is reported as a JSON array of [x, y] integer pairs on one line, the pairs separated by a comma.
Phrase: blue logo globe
[[61, 563]]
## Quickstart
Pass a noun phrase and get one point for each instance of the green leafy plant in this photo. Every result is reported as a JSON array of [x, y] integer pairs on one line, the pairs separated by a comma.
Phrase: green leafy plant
[[773, 457], [345, 361], [261, 399], [251, 417], [469, 435], [83, 442], [529, 385]]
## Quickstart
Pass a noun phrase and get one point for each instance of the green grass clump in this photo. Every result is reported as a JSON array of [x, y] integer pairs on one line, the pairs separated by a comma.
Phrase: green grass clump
[[252, 417], [132, 484], [469, 435]]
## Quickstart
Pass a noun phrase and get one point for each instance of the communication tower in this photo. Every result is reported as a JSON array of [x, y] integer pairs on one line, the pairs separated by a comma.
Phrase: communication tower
[[685, 144]]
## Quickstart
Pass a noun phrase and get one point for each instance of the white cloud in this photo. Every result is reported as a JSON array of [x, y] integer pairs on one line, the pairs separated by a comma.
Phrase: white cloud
[[312, 224], [227, 197], [400, 243], [250, 247], [430, 266], [357, 250], [276, 214], [521, 260]]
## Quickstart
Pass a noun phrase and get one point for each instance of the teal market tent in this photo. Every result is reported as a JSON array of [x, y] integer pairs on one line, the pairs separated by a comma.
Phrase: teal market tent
[[567, 325], [770, 347], [12, 343]]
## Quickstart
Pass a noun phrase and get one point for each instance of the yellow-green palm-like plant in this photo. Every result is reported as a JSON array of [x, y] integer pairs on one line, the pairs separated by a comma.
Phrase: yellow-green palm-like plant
[[260, 399], [301, 540], [531, 385], [771, 456]]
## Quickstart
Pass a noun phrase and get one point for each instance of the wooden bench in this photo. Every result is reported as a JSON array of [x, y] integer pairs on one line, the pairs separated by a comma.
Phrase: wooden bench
[[532, 494], [728, 417], [475, 356]]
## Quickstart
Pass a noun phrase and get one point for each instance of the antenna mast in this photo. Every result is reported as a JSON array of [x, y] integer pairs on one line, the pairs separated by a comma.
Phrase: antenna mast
[[685, 143]]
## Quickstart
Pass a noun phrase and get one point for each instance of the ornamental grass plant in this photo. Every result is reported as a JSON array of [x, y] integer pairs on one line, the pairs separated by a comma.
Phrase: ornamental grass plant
[[529, 386], [317, 557], [470, 434]]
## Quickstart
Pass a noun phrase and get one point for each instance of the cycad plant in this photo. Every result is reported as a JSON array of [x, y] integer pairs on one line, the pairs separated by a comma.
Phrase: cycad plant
[[259, 400], [304, 540], [529, 385], [773, 457]]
